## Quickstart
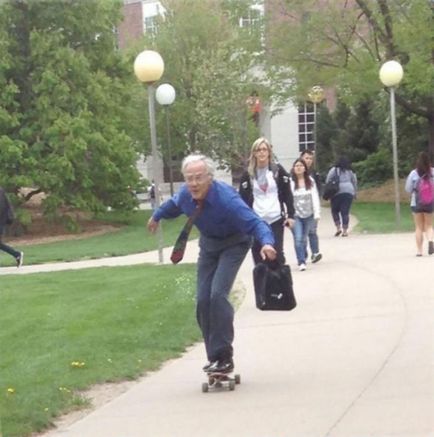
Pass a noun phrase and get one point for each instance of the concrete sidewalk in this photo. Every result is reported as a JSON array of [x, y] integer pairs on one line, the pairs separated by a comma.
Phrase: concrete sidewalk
[[354, 359]]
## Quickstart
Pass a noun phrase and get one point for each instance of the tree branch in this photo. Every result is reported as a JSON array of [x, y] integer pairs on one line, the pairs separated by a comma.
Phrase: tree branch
[[32, 193], [372, 21], [412, 107], [389, 41]]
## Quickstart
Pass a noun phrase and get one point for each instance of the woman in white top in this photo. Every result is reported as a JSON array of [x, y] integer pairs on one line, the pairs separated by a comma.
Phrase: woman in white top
[[306, 206], [265, 188], [422, 211]]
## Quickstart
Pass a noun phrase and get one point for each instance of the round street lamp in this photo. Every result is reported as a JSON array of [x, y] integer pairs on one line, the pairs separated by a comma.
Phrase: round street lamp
[[316, 95], [391, 74], [148, 68], [166, 96]]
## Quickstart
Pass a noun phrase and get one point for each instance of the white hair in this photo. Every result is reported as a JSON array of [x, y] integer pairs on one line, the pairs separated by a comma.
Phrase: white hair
[[197, 157]]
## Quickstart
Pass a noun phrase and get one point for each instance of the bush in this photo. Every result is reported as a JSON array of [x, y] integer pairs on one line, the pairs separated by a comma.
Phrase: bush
[[375, 169]]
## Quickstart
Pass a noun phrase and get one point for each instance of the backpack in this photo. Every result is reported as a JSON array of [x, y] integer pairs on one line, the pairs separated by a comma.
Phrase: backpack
[[424, 191]]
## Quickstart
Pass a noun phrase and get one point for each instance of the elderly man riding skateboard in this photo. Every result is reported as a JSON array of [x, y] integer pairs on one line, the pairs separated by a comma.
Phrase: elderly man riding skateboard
[[226, 226]]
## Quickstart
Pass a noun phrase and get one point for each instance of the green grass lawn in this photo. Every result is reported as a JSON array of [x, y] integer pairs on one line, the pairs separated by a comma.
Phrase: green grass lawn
[[118, 321], [380, 218], [132, 237]]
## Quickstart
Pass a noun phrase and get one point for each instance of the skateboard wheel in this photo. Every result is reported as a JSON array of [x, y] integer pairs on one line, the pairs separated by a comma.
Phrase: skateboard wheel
[[231, 385], [204, 387], [237, 379]]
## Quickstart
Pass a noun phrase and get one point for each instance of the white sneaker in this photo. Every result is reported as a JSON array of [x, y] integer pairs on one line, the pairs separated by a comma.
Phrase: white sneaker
[[20, 259], [316, 257], [302, 267]]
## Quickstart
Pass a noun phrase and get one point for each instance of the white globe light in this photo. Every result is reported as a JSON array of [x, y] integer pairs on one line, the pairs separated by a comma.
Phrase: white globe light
[[391, 73], [165, 94], [148, 66]]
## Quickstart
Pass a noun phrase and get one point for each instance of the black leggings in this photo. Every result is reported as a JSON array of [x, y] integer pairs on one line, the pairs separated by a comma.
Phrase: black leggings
[[277, 228], [8, 249], [341, 205]]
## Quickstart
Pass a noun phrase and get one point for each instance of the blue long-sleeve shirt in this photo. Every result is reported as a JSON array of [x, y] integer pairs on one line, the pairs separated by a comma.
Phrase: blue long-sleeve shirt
[[224, 213]]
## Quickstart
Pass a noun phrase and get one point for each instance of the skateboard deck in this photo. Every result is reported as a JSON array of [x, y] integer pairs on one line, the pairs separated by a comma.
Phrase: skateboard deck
[[218, 380]]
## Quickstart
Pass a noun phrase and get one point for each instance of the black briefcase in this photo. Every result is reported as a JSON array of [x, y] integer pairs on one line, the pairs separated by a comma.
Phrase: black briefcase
[[273, 287]]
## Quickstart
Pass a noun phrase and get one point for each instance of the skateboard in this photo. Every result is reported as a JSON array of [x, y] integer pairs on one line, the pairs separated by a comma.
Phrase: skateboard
[[217, 380]]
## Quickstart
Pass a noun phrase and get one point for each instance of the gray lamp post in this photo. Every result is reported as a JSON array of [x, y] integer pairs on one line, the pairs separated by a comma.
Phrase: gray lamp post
[[391, 74], [316, 96], [166, 96], [148, 68]]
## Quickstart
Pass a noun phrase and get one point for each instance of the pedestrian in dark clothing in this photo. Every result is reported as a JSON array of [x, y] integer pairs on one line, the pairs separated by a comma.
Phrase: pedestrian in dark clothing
[[226, 225], [6, 218], [265, 188], [341, 202]]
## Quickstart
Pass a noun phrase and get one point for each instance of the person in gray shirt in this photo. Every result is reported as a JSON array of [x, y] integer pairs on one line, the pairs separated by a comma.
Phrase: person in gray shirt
[[342, 200]]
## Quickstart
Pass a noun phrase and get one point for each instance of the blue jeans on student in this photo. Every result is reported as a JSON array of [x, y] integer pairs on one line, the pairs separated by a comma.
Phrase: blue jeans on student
[[300, 231], [313, 239], [217, 267]]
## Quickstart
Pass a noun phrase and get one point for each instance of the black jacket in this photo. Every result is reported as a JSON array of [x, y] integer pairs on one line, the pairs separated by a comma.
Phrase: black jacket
[[283, 188]]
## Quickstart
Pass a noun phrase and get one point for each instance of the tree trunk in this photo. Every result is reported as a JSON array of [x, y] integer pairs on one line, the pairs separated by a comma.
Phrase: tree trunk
[[431, 134]]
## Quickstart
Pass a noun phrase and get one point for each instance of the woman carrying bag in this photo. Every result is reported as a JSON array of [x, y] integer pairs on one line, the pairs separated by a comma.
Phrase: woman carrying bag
[[265, 188], [346, 193]]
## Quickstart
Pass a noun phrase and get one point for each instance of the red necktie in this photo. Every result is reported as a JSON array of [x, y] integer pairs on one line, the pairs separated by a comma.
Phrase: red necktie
[[181, 242]]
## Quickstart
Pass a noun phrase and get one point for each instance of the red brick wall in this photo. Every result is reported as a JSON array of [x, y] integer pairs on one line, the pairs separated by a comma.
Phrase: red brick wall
[[131, 28]]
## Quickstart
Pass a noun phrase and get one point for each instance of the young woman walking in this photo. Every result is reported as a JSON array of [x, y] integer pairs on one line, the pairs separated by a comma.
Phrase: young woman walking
[[341, 202], [264, 186], [307, 209], [422, 211]]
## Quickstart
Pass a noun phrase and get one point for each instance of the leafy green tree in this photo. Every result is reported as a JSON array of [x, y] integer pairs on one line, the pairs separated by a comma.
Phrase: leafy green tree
[[68, 87], [342, 44], [209, 60]]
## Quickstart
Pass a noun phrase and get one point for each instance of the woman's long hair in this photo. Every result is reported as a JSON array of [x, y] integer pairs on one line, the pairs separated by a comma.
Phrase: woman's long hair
[[423, 165], [251, 168], [307, 179]]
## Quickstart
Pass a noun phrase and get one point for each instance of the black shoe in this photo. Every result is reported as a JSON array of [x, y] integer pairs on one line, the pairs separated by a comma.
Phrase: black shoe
[[430, 248], [206, 367], [222, 366]]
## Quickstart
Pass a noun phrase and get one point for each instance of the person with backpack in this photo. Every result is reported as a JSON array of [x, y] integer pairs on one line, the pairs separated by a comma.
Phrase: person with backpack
[[420, 183], [265, 187], [6, 218], [342, 200]]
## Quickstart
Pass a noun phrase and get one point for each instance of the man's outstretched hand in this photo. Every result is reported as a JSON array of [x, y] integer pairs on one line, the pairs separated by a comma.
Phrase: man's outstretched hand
[[152, 225]]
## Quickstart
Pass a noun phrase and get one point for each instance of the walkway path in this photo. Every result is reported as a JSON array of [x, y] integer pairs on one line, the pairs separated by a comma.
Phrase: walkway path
[[354, 359]]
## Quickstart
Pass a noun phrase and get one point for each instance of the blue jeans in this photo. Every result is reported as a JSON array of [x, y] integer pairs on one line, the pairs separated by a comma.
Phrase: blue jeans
[[313, 239], [217, 267], [300, 231]]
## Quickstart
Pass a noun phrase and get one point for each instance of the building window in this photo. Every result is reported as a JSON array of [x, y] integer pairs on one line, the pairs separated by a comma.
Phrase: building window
[[306, 127], [150, 25], [252, 19]]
